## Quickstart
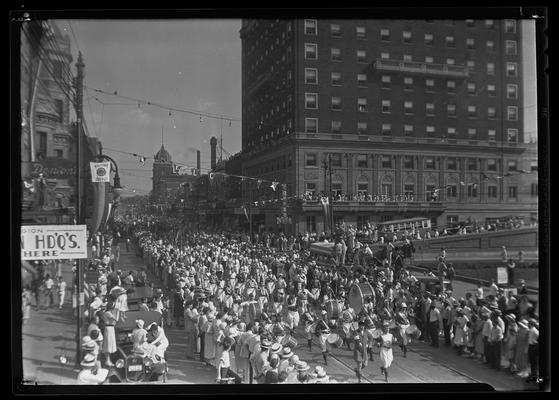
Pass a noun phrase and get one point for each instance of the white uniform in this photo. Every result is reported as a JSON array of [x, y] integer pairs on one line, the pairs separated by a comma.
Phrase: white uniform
[[386, 355]]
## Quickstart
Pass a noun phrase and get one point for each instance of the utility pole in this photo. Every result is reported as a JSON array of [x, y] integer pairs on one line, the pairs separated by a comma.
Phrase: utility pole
[[330, 196], [326, 217], [80, 200]]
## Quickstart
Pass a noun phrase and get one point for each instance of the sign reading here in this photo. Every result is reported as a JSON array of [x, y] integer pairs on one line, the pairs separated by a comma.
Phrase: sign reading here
[[53, 242]]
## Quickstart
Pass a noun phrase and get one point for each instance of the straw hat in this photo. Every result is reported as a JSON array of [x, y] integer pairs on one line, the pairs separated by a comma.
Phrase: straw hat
[[286, 353], [302, 366], [276, 348], [88, 360], [140, 323]]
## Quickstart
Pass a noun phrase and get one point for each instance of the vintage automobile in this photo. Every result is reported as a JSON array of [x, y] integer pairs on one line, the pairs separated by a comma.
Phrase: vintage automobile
[[431, 284], [135, 294], [132, 366]]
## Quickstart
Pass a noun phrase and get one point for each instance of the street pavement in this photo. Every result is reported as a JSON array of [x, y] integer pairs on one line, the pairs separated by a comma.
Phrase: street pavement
[[50, 333]]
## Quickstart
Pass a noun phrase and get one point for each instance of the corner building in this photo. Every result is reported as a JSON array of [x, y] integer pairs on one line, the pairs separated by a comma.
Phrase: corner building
[[403, 107]]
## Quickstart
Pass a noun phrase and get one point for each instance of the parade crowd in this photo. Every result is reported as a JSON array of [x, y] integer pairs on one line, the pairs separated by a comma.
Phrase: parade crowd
[[241, 301]]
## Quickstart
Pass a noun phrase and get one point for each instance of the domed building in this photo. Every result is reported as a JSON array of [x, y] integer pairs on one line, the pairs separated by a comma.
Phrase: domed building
[[166, 178]]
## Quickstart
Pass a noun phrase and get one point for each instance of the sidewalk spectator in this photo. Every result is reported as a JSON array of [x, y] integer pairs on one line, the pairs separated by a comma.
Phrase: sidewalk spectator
[[61, 291], [26, 304], [495, 339], [49, 291], [521, 356]]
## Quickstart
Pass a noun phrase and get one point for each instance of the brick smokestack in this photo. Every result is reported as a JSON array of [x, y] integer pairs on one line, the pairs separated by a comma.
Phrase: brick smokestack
[[213, 154], [198, 161]]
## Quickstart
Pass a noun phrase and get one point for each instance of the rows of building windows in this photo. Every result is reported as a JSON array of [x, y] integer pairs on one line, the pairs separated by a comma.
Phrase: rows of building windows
[[311, 78], [311, 103], [311, 126], [311, 53], [409, 162], [311, 28]]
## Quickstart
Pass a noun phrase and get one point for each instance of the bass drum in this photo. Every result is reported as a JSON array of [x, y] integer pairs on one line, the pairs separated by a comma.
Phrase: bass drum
[[358, 292], [254, 311], [333, 308]]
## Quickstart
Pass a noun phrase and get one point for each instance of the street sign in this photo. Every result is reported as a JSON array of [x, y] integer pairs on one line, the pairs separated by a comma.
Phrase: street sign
[[53, 242]]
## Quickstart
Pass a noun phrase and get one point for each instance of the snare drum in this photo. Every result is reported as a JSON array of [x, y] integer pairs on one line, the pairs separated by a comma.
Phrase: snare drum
[[335, 340], [289, 341], [333, 308], [354, 326], [411, 330]]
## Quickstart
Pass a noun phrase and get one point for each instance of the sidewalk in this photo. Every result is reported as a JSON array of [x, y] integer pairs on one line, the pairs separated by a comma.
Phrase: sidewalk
[[48, 334]]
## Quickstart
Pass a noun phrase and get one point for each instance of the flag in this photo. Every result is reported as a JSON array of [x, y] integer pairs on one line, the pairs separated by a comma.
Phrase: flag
[[177, 169], [274, 185], [142, 160], [100, 171]]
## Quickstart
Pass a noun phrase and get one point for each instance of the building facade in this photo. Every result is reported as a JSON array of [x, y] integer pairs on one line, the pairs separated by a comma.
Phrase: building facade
[[48, 132], [167, 182], [425, 115]]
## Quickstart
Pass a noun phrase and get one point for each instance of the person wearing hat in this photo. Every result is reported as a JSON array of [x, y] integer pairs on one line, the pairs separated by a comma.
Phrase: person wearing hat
[[360, 349], [109, 343], [320, 375], [91, 374], [510, 341], [533, 349], [322, 330], [139, 336], [385, 342], [347, 316], [302, 369], [460, 335], [285, 356], [434, 319], [446, 314], [495, 339], [272, 373], [403, 323], [260, 361], [292, 317], [521, 356]]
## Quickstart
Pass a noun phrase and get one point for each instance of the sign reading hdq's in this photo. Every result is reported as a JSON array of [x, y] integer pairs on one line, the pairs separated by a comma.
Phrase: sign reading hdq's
[[53, 242]]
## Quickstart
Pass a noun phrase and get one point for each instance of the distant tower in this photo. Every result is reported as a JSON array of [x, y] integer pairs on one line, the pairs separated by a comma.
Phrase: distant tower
[[162, 167], [213, 145]]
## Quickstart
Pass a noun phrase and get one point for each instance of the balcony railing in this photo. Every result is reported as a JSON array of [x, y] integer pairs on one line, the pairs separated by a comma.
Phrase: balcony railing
[[416, 67], [376, 138]]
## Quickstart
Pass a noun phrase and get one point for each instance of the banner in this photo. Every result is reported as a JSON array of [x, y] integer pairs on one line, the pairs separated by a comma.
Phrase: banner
[[100, 171], [53, 242], [502, 276]]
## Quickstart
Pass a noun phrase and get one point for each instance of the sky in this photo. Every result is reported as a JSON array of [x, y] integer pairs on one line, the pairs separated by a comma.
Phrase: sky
[[187, 64]]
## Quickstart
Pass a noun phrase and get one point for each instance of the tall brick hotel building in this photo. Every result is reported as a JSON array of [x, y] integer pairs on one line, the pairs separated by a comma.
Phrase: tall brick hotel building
[[400, 107]]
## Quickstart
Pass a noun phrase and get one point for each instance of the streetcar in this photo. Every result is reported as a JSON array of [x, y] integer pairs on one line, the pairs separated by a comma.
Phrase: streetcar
[[422, 224]]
